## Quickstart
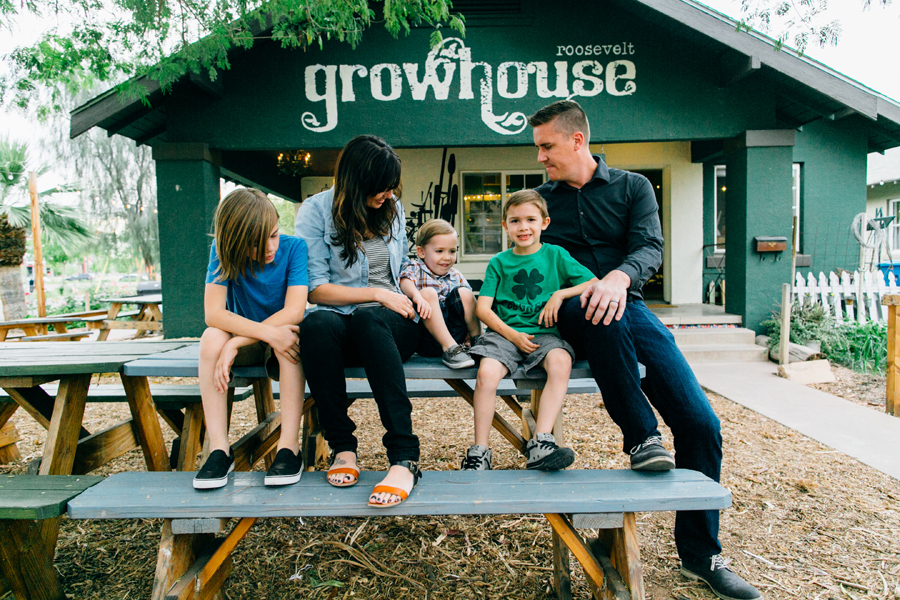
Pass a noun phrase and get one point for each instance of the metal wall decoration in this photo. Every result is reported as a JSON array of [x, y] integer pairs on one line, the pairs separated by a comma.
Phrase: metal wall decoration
[[438, 202]]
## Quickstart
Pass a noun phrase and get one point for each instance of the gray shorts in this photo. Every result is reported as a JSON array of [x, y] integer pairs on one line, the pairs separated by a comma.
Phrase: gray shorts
[[257, 353], [493, 345]]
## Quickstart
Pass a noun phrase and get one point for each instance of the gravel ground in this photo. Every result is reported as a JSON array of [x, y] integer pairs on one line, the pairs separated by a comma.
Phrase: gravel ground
[[807, 522]]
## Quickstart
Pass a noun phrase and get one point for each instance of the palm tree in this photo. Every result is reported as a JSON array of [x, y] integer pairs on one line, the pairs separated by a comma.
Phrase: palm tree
[[59, 224]]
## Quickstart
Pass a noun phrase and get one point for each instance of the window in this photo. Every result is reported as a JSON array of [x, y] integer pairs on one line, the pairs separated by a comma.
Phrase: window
[[721, 190], [894, 229], [483, 198]]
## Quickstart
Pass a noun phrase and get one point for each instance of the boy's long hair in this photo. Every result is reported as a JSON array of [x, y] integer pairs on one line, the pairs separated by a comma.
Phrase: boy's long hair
[[367, 166], [244, 220]]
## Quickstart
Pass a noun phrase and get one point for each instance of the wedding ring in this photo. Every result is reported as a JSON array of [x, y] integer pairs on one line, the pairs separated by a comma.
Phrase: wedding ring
[[613, 302]]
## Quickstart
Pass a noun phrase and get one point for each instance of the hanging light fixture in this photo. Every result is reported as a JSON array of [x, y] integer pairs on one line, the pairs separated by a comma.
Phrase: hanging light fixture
[[294, 163]]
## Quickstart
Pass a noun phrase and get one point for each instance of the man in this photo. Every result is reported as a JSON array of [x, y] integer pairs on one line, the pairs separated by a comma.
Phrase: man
[[607, 219]]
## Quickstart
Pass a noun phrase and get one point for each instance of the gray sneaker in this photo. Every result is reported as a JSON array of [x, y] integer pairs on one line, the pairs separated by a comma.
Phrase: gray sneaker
[[457, 357], [543, 454], [478, 458], [650, 455], [724, 582]]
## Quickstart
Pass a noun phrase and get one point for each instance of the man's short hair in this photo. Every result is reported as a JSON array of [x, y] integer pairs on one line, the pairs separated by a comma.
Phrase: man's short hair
[[526, 197], [569, 117]]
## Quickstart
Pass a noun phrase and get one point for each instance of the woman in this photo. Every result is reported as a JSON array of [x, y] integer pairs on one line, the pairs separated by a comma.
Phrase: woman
[[356, 237]]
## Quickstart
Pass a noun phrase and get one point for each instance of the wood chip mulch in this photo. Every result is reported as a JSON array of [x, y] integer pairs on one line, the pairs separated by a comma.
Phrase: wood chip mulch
[[807, 522]]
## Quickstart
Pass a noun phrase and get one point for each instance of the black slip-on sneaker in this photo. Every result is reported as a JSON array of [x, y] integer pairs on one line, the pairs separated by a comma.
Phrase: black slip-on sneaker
[[286, 468], [214, 472]]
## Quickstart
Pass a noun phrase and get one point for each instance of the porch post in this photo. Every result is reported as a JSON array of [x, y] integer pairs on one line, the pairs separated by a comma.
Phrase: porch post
[[759, 184], [187, 194]]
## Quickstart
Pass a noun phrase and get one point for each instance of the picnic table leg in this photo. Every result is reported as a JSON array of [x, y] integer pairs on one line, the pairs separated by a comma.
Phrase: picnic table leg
[[145, 421], [114, 309], [625, 554], [9, 452], [191, 437], [26, 558], [265, 404], [177, 552], [499, 423], [65, 425]]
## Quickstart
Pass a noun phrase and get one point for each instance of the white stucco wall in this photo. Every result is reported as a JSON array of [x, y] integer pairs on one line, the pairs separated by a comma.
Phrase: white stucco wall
[[682, 198]]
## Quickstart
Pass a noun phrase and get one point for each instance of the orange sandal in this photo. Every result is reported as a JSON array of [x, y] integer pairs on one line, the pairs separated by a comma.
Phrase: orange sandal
[[395, 491], [354, 472]]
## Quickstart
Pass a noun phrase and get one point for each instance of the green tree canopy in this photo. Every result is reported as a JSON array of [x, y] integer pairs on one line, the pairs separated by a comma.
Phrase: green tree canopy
[[115, 40], [797, 23]]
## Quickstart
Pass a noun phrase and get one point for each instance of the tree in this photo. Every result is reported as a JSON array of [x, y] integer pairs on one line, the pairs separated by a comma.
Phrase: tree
[[796, 22], [118, 185], [166, 40], [60, 225]]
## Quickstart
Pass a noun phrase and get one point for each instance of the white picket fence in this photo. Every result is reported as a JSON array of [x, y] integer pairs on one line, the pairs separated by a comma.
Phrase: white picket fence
[[855, 297]]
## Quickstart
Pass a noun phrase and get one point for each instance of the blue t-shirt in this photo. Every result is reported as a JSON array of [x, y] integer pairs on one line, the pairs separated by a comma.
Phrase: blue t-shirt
[[258, 296]]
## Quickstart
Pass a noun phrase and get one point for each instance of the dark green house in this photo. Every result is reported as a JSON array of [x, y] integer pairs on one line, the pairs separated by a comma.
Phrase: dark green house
[[671, 88]]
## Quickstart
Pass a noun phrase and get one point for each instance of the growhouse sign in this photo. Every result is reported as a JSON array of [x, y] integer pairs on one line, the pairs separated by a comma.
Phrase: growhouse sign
[[584, 75]]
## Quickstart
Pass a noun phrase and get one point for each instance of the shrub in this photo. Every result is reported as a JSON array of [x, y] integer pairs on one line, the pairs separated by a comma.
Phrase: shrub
[[858, 346]]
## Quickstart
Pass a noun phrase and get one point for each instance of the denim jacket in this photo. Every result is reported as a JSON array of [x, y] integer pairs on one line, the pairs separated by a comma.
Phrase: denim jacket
[[315, 226]]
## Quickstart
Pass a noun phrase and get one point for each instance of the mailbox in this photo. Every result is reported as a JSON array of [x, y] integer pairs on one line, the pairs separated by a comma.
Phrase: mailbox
[[770, 244]]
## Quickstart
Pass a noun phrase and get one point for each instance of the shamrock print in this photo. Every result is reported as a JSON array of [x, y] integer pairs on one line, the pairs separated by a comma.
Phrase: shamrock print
[[528, 284]]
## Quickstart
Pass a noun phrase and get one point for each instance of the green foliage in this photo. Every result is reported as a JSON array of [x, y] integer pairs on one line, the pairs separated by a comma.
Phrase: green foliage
[[859, 346], [285, 210], [795, 23], [166, 40]]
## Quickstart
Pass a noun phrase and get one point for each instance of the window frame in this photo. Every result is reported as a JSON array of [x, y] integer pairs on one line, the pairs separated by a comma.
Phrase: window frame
[[716, 174], [504, 173], [894, 237]]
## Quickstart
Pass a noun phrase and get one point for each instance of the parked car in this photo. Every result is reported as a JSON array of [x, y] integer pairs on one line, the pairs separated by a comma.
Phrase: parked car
[[79, 277], [135, 277]]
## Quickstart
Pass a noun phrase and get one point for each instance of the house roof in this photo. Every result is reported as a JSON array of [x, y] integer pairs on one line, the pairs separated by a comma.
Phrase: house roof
[[884, 168], [807, 89]]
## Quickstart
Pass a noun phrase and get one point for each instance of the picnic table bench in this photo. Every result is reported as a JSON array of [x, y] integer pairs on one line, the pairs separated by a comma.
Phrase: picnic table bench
[[597, 499], [30, 510], [259, 443], [39, 326], [147, 318]]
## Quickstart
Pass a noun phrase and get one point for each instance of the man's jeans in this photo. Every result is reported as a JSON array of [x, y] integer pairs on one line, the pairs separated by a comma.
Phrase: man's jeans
[[613, 352]]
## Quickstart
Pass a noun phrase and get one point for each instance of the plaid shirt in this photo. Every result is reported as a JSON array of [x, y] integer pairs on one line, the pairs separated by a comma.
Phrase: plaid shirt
[[422, 277]]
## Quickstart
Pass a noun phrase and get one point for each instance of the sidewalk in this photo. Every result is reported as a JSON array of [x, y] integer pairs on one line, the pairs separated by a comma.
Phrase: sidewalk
[[865, 434]]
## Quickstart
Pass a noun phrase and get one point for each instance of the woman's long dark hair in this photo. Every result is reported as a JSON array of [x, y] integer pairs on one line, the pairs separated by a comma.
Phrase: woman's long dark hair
[[367, 166]]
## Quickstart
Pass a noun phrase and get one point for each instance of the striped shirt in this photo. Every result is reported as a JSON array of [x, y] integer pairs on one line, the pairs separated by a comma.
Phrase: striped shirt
[[379, 259], [417, 272]]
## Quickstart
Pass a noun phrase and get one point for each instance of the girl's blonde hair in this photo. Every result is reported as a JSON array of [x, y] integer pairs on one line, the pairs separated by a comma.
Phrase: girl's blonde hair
[[244, 220], [432, 228]]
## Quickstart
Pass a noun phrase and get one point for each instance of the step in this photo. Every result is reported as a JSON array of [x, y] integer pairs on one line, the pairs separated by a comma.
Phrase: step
[[724, 353], [714, 335]]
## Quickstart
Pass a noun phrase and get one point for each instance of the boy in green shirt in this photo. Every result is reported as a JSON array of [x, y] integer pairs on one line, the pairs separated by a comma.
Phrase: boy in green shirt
[[519, 302]]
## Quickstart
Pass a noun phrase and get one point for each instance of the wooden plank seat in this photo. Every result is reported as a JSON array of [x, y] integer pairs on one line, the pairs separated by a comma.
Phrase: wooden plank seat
[[30, 510], [96, 321], [68, 336], [595, 499]]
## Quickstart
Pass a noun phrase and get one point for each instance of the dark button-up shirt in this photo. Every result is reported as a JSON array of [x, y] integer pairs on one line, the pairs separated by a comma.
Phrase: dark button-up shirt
[[611, 223]]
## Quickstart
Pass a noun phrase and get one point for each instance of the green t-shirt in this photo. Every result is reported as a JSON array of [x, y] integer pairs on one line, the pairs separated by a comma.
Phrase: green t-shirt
[[522, 285]]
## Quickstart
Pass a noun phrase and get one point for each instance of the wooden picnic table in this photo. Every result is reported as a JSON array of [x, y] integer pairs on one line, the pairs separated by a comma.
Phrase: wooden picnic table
[[175, 552], [148, 317], [41, 325], [69, 447]]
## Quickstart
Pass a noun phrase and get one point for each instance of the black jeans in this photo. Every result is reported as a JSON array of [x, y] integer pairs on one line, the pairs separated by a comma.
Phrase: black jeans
[[454, 317], [613, 352], [379, 340]]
